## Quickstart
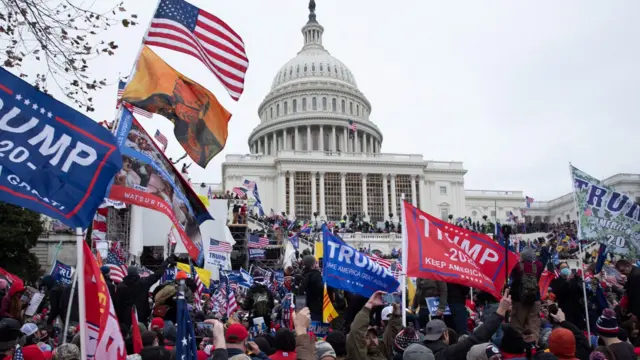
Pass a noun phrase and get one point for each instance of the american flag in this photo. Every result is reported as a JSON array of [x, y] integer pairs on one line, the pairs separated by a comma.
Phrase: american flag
[[117, 267], [393, 266], [249, 185], [352, 126], [199, 287], [135, 110], [161, 139], [180, 26], [528, 200], [219, 246], [241, 192], [257, 242], [17, 354], [232, 305]]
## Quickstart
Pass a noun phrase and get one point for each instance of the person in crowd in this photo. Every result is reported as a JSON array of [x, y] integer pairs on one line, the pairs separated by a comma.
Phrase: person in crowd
[[324, 351], [436, 336], [106, 274], [259, 301], [236, 212], [285, 345], [134, 291], [165, 297], [363, 342], [456, 299], [54, 292], [568, 292], [312, 286], [12, 303], [155, 353], [338, 341], [149, 338], [429, 288], [608, 332], [405, 337], [632, 287], [526, 293]]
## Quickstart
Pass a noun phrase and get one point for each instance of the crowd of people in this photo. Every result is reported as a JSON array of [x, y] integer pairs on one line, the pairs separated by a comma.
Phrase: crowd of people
[[529, 321]]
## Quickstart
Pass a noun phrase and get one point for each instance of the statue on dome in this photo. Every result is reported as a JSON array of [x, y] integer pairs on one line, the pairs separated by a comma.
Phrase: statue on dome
[[312, 6]]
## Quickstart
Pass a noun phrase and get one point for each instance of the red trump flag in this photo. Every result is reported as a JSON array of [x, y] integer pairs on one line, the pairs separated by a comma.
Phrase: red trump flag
[[441, 251]]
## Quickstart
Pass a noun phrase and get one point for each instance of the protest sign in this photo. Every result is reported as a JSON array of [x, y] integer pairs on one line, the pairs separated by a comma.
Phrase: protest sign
[[148, 179], [53, 159], [319, 328], [347, 269], [488, 255], [606, 215], [433, 303], [432, 254]]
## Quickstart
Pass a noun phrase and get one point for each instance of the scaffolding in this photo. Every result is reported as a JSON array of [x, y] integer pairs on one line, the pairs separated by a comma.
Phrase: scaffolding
[[118, 227], [240, 253]]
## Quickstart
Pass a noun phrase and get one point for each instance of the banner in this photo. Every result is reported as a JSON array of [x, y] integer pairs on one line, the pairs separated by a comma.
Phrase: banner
[[53, 159], [606, 215], [347, 269], [257, 254], [217, 259], [148, 179], [62, 273], [484, 251], [319, 328], [433, 254]]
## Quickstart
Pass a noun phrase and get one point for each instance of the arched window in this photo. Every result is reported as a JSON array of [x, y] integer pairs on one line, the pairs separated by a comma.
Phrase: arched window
[[342, 71], [277, 109], [357, 110], [336, 69], [350, 107], [304, 104], [321, 68], [291, 72], [324, 103], [298, 69], [333, 104], [305, 67], [313, 67], [286, 108], [314, 104], [329, 68], [344, 106], [271, 112], [295, 105]]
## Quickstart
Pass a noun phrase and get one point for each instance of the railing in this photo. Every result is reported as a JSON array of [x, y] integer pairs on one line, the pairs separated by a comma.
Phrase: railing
[[497, 193]]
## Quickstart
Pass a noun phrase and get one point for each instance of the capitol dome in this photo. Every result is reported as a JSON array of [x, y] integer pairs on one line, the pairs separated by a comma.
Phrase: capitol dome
[[314, 104]]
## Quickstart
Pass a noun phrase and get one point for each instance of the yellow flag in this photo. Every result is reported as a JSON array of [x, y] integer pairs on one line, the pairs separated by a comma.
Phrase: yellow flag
[[205, 275], [411, 289], [205, 200], [328, 311], [318, 249]]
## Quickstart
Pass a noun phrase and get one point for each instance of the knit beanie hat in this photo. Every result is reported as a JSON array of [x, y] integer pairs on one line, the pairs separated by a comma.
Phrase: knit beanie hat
[[323, 349], [478, 352], [105, 270], [512, 340], [405, 338], [562, 343], [338, 342], [527, 254], [607, 324]]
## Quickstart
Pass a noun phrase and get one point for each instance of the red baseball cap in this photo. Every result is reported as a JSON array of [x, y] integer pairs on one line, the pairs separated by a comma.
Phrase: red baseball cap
[[157, 323], [236, 333]]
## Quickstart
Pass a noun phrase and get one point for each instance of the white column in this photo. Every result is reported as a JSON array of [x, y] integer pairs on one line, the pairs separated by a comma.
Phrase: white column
[[334, 140], [454, 200], [346, 139], [309, 142], [432, 185], [343, 193], [462, 202], [414, 197], [385, 197], [296, 142], [321, 139], [274, 146], [394, 205], [282, 192], [323, 213], [284, 139], [356, 149], [314, 204], [365, 204], [423, 196], [292, 196]]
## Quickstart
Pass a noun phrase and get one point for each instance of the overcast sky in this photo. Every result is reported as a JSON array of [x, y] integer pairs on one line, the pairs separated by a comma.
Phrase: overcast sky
[[514, 89]]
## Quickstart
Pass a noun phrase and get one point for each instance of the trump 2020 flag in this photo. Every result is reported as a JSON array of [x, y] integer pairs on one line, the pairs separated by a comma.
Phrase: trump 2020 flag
[[434, 254], [62, 272], [350, 270], [53, 160]]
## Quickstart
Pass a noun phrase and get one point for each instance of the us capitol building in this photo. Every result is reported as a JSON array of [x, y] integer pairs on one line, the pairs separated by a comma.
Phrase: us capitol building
[[305, 158]]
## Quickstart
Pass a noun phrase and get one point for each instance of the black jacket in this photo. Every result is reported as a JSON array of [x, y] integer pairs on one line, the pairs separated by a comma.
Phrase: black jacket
[[632, 287], [134, 290], [111, 286], [582, 343], [457, 294], [313, 287], [459, 350]]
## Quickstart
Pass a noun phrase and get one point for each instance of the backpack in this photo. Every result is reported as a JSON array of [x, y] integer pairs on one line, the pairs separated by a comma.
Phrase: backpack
[[529, 285], [261, 304], [166, 293]]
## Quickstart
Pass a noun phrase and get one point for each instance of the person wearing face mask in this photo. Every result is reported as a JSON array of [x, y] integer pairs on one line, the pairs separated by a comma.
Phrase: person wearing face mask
[[568, 291]]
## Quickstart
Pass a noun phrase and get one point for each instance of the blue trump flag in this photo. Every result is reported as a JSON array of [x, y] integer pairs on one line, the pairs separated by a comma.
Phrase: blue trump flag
[[62, 273], [347, 269], [53, 159]]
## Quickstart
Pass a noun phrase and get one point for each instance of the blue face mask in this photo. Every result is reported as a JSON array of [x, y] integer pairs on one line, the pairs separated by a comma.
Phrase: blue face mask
[[565, 272]]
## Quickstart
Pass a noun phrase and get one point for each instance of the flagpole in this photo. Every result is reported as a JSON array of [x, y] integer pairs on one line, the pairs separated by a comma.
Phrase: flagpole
[[403, 274], [69, 304], [584, 285], [81, 294]]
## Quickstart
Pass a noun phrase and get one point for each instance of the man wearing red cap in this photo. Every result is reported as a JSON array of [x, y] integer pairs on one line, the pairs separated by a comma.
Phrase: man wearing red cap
[[237, 344]]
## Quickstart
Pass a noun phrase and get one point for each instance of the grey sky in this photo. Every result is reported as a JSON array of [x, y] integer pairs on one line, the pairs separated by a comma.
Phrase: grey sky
[[513, 89]]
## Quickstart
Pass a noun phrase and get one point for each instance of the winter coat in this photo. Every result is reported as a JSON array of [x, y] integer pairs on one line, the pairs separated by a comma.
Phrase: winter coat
[[430, 288], [632, 288], [313, 287], [356, 341], [5, 305], [134, 291]]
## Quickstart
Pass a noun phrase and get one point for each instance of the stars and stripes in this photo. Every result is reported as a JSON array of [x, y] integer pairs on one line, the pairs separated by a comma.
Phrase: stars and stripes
[[352, 126], [185, 335], [133, 109], [393, 266], [219, 246], [17, 353], [199, 287], [161, 139], [117, 267], [257, 242], [182, 27], [241, 192], [249, 185], [528, 200], [231, 304]]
